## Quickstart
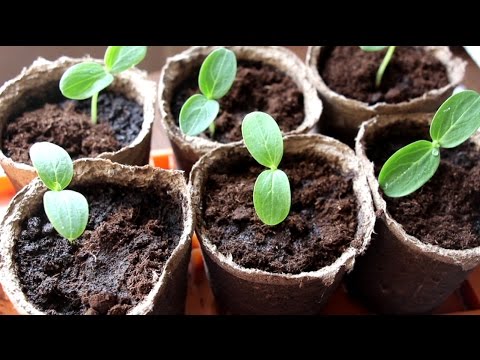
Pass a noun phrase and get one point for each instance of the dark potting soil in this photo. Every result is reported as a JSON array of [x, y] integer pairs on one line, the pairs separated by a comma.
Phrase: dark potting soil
[[321, 225], [112, 266], [350, 71], [68, 125], [257, 87], [445, 210]]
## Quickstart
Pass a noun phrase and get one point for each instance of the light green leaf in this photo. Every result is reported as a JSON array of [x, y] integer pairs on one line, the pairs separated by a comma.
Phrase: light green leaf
[[271, 196], [372, 48], [457, 119], [197, 114], [53, 164], [120, 58], [409, 168], [263, 138], [67, 210], [217, 73], [83, 80]]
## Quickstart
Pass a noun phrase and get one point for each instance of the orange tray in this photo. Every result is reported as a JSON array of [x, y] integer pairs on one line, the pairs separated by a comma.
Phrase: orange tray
[[200, 300]]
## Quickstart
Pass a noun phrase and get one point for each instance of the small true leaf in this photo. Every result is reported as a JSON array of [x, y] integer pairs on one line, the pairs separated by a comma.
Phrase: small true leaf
[[457, 119], [271, 196], [197, 114], [372, 48], [67, 210], [120, 58], [263, 138], [83, 80], [409, 168], [217, 73], [53, 164]]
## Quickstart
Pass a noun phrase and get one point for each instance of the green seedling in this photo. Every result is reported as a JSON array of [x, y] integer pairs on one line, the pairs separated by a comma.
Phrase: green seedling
[[67, 210], [87, 79], [384, 64], [412, 166], [215, 79], [271, 193]]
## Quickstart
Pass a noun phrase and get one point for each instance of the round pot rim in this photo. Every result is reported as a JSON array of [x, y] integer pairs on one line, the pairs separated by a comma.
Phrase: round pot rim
[[464, 258], [35, 189], [346, 259], [312, 111], [453, 78], [132, 75]]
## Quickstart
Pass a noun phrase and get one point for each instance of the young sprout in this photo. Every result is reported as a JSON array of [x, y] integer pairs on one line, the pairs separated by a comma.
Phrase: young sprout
[[87, 79], [384, 64], [271, 193], [413, 165], [67, 210], [216, 77]]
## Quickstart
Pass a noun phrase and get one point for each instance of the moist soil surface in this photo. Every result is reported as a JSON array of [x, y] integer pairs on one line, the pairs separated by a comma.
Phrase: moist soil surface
[[445, 210], [68, 125], [321, 225], [350, 71], [112, 266], [257, 87]]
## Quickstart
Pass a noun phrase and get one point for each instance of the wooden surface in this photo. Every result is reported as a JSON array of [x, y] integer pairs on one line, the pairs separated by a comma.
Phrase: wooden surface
[[200, 299]]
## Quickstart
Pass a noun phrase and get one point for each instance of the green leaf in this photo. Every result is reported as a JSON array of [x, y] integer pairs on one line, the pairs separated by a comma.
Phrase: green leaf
[[217, 73], [409, 168], [457, 119], [67, 210], [120, 58], [53, 164], [372, 48], [83, 80], [197, 114], [263, 138], [271, 196]]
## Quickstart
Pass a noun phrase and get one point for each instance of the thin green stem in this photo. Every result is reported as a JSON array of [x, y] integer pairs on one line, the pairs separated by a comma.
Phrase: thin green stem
[[383, 65], [94, 108], [211, 127]]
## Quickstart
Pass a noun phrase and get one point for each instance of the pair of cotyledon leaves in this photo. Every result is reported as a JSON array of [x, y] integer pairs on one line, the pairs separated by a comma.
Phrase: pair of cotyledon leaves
[[413, 165]]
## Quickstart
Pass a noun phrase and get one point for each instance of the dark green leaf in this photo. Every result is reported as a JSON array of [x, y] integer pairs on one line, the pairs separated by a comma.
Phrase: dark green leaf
[[120, 58], [409, 168], [53, 164], [372, 48], [67, 210], [263, 138], [457, 119], [271, 196], [83, 80], [197, 114], [217, 73]]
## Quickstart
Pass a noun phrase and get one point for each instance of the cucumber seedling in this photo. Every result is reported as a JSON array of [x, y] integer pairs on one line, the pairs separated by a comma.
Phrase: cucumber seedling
[[271, 193], [215, 79], [87, 79], [67, 210], [385, 61], [412, 166]]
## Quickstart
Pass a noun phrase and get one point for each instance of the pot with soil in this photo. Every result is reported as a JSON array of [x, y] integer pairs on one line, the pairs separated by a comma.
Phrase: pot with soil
[[32, 109], [269, 78], [417, 79], [426, 243], [293, 267], [132, 258]]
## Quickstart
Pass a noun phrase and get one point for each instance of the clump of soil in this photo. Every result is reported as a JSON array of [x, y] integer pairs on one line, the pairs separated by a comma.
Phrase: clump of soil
[[68, 125], [350, 71], [112, 266], [257, 87], [445, 210], [321, 225]]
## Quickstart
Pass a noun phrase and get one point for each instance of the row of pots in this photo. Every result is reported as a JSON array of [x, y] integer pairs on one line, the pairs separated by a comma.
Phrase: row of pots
[[233, 285]]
